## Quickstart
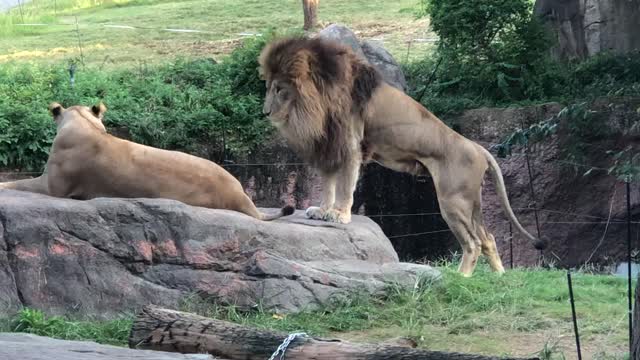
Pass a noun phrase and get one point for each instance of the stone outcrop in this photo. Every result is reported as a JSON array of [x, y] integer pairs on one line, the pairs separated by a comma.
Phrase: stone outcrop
[[108, 256], [33, 347], [375, 54]]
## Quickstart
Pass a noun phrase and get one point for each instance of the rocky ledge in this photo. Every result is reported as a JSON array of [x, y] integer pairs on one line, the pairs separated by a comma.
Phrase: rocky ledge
[[33, 347], [107, 256]]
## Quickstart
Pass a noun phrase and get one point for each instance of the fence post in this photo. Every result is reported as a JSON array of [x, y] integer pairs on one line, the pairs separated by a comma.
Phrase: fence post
[[21, 11], [573, 315], [533, 194], [511, 244], [79, 41], [629, 290]]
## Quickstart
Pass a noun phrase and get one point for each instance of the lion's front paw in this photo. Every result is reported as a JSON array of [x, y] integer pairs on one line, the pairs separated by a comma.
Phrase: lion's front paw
[[314, 212], [337, 216]]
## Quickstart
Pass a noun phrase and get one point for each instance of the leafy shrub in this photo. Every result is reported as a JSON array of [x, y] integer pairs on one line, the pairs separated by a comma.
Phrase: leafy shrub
[[190, 105], [605, 74], [34, 321], [487, 46]]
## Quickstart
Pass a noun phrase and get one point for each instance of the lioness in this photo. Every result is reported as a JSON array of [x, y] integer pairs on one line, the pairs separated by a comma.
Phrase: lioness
[[86, 162], [337, 112]]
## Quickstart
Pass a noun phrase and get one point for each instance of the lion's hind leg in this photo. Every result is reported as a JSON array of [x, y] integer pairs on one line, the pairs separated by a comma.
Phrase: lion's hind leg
[[457, 212], [489, 247], [490, 250]]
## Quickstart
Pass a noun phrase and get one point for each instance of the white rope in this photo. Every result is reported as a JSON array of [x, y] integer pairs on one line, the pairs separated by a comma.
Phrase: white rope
[[285, 344]]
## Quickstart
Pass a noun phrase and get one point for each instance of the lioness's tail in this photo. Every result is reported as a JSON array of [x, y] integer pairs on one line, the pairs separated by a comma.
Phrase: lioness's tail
[[285, 211], [496, 173], [36, 185]]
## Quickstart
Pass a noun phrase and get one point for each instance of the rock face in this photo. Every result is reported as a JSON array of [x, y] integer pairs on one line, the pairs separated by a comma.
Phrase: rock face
[[375, 54], [586, 27], [33, 347], [108, 256], [576, 209]]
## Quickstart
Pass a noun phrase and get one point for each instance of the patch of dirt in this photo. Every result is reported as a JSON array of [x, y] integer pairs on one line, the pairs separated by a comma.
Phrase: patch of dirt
[[198, 47], [514, 343], [395, 32], [404, 30], [592, 347]]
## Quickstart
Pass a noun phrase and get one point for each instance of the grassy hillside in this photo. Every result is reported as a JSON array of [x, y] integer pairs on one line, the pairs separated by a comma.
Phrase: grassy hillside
[[222, 20], [524, 312]]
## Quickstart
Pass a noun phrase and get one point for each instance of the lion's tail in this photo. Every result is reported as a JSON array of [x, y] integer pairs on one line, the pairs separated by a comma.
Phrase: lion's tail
[[496, 173], [285, 211]]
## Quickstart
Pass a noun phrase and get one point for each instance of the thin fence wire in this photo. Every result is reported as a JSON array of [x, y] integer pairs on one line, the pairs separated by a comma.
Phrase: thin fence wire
[[305, 164], [79, 25]]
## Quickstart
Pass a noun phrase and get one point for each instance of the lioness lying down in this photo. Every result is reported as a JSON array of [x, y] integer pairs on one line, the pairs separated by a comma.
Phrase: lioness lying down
[[86, 162]]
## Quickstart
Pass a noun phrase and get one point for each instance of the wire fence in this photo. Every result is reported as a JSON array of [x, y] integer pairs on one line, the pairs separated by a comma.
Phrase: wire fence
[[79, 25]]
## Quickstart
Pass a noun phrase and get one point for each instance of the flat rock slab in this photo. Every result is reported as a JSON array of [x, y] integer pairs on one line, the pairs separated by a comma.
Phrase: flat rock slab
[[108, 256], [32, 347]]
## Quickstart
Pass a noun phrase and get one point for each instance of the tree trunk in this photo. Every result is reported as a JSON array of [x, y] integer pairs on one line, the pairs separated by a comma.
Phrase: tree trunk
[[584, 28], [310, 8], [169, 330]]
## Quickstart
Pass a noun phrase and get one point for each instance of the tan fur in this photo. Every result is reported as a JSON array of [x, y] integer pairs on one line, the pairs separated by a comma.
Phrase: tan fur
[[86, 162], [383, 125]]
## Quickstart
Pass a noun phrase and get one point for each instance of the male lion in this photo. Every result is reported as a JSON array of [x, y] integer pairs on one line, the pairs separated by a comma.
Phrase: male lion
[[335, 110], [86, 162]]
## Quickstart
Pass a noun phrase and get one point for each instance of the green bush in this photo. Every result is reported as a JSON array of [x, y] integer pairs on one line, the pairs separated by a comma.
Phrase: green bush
[[486, 47], [188, 105], [34, 321], [606, 74]]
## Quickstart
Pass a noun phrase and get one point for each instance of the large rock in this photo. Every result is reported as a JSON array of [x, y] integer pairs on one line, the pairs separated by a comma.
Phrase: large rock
[[33, 347], [586, 27], [375, 54], [106, 256]]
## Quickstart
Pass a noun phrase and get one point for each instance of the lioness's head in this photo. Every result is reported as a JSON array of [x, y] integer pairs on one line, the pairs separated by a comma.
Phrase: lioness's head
[[92, 115]]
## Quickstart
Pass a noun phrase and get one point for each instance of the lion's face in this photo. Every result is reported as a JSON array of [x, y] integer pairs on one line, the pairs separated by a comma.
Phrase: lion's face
[[280, 95], [93, 115]]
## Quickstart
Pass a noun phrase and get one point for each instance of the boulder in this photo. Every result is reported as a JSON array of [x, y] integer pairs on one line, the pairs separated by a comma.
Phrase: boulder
[[343, 35], [107, 256], [375, 54], [384, 61], [33, 347]]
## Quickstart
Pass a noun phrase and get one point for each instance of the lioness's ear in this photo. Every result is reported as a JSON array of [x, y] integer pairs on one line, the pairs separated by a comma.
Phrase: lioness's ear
[[99, 110], [55, 109]]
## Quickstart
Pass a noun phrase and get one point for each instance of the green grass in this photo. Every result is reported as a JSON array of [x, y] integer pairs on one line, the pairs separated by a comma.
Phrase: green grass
[[114, 332], [519, 313], [222, 19]]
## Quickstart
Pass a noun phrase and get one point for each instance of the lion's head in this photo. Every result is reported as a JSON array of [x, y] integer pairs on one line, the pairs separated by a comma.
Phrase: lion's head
[[93, 115], [316, 88]]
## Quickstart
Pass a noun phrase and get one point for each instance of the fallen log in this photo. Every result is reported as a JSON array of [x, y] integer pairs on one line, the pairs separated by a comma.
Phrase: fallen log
[[168, 330]]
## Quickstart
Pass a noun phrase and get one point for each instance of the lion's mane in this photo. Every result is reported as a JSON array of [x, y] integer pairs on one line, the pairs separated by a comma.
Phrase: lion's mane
[[332, 87]]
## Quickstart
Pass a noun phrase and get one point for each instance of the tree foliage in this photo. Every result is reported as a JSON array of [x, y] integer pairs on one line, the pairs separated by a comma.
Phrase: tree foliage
[[487, 47]]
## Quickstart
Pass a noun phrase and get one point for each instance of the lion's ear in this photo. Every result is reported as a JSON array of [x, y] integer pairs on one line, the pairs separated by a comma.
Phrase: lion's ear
[[301, 65], [98, 110], [55, 109]]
